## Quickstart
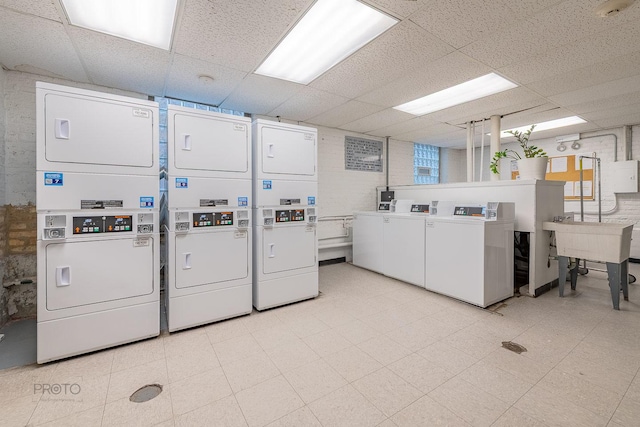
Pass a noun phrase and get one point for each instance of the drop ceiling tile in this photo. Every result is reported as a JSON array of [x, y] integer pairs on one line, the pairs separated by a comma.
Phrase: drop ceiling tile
[[611, 122], [460, 22], [237, 34], [345, 113], [307, 103], [258, 94], [43, 8], [600, 48], [439, 138], [604, 104], [183, 81], [601, 72], [601, 91], [417, 123], [401, 50], [116, 62], [399, 9], [619, 111], [442, 73], [377, 120], [544, 31], [38, 46]]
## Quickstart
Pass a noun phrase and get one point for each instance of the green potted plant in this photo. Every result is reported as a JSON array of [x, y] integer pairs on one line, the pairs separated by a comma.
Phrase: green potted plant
[[534, 163]]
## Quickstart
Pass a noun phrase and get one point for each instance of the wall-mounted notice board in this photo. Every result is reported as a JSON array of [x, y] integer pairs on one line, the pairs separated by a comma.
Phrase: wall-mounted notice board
[[567, 168]]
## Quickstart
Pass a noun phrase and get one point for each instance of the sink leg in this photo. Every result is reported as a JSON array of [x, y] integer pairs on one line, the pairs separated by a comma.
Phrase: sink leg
[[563, 264], [574, 274], [613, 271], [625, 279]]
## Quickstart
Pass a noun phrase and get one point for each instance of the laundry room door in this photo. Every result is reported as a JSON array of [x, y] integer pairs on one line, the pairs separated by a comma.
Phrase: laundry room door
[[82, 273], [95, 131], [211, 257], [288, 248], [288, 151], [210, 143]]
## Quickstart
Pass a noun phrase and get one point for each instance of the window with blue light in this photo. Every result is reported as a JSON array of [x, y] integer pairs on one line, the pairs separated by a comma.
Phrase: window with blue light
[[426, 164]]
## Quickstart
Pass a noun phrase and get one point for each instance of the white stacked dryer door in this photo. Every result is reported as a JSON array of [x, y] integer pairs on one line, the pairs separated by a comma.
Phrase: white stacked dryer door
[[404, 247], [368, 240], [209, 242], [286, 248], [98, 245], [285, 213]]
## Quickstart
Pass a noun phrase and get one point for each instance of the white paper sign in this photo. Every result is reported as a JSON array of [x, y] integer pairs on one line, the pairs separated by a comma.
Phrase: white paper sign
[[587, 188], [568, 188], [558, 164]]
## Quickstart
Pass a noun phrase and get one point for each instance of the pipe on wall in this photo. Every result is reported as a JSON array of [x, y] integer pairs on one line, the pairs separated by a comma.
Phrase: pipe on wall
[[469, 152], [495, 142]]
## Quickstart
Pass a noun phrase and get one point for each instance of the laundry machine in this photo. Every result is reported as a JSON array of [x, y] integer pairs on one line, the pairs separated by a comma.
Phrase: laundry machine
[[367, 240], [469, 254], [209, 242], [404, 242], [285, 214], [97, 220]]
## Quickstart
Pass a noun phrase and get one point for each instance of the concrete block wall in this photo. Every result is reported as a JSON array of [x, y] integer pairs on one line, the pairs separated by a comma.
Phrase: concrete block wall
[[18, 188], [4, 315]]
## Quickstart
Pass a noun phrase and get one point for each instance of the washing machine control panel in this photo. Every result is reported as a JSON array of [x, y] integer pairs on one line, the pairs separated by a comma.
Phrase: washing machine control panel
[[420, 208], [270, 217], [102, 224], [212, 219], [290, 215], [477, 211]]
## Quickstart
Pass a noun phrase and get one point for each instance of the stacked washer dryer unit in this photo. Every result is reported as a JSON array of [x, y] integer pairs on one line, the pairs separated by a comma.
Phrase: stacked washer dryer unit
[[285, 214], [209, 240], [98, 241]]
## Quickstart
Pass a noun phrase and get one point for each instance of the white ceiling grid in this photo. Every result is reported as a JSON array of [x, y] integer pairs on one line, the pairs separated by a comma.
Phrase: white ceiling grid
[[566, 60]]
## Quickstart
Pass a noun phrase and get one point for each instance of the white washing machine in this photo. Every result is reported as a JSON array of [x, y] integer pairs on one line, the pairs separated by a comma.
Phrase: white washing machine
[[367, 241], [98, 245], [404, 242], [285, 214], [209, 267], [469, 254]]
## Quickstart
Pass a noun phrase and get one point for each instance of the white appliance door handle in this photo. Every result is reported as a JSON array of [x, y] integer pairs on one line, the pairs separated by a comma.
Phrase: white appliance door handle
[[272, 250], [186, 142], [270, 151], [186, 262], [62, 128], [63, 276]]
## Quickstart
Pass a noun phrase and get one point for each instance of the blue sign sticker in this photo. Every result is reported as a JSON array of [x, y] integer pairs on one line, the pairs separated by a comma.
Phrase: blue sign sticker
[[311, 200], [266, 184], [53, 178], [243, 201], [182, 182], [146, 202]]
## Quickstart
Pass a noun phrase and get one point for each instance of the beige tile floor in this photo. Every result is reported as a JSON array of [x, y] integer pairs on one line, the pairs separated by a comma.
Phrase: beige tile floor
[[369, 351]]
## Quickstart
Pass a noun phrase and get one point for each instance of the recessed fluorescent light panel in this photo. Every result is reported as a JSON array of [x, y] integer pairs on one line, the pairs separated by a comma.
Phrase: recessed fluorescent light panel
[[144, 21], [552, 124], [329, 32], [464, 92]]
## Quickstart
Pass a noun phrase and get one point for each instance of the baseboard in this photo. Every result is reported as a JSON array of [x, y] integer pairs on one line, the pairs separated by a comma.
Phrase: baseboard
[[332, 261]]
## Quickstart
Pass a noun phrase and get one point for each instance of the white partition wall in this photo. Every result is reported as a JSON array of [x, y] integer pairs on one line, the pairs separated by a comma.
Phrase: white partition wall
[[285, 214], [209, 240], [97, 209]]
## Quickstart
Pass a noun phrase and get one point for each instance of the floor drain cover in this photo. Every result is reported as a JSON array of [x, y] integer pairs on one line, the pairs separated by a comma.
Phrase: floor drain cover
[[146, 393], [516, 348]]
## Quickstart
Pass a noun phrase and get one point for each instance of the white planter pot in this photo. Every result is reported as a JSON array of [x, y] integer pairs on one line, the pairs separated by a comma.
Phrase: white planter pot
[[535, 168]]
